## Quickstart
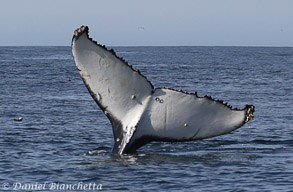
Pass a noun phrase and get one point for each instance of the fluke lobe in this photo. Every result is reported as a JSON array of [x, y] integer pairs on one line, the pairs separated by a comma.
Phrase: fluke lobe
[[140, 113]]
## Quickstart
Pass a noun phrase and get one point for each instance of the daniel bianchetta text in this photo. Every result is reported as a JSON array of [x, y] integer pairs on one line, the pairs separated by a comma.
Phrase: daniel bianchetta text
[[80, 186]]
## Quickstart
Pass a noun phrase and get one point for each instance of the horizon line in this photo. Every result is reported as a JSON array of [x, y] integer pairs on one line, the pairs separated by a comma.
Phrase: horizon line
[[260, 46]]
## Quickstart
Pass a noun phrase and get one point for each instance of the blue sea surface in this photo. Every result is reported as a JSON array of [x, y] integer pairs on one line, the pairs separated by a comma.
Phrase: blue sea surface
[[64, 138]]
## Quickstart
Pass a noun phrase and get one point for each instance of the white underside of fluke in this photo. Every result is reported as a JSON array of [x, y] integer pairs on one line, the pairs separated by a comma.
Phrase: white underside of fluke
[[138, 112]]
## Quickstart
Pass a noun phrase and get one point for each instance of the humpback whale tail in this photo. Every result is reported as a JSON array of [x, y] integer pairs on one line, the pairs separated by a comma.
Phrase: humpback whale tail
[[140, 113]]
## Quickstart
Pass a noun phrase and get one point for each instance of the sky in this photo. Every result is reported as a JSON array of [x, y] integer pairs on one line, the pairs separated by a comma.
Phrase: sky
[[149, 22]]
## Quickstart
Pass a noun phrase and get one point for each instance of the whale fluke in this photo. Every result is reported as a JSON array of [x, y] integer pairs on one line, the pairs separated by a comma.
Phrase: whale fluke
[[140, 113]]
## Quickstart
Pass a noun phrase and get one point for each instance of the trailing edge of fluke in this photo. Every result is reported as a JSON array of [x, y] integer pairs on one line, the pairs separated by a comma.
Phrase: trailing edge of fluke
[[140, 113]]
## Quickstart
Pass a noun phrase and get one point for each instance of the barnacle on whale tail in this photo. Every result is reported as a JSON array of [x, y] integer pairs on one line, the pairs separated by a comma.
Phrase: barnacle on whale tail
[[249, 113]]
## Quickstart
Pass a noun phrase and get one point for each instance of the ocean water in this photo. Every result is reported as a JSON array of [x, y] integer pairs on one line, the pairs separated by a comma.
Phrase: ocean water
[[64, 139]]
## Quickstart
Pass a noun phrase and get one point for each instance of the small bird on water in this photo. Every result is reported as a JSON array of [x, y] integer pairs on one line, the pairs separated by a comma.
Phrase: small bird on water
[[18, 119]]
